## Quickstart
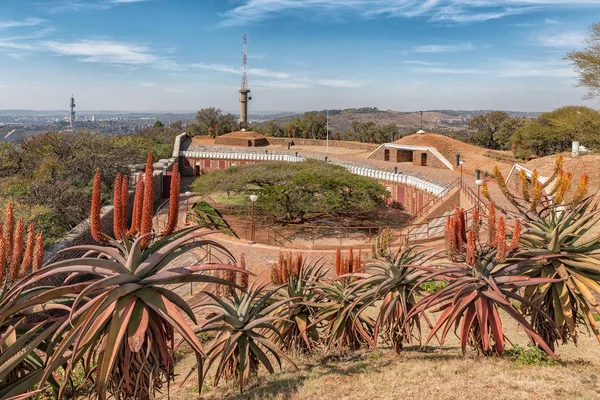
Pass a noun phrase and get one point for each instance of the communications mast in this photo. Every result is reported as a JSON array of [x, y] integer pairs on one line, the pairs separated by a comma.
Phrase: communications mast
[[244, 91], [72, 115]]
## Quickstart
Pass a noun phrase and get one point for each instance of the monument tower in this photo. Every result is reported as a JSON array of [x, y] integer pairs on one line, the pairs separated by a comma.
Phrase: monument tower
[[244, 91]]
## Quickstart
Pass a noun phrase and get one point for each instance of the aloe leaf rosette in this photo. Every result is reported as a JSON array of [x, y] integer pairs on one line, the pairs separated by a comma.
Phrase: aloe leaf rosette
[[295, 332], [567, 250], [243, 324], [392, 280], [124, 314], [470, 304]]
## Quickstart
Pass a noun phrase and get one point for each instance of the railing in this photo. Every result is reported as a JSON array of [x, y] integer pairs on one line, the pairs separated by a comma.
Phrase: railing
[[387, 176], [273, 235], [213, 222], [437, 198], [473, 197]]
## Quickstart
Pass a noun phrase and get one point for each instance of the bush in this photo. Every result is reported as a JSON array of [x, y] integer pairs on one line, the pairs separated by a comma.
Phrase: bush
[[529, 355], [432, 287]]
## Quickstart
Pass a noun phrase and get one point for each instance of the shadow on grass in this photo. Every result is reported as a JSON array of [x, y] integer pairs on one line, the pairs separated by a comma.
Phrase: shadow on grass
[[331, 367], [266, 388], [287, 384]]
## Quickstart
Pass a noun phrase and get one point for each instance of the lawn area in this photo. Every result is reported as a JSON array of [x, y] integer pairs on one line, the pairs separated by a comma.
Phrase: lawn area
[[434, 373], [232, 200]]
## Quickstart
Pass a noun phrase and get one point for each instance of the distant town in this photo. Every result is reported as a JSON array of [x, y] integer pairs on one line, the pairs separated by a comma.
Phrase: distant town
[[15, 124]]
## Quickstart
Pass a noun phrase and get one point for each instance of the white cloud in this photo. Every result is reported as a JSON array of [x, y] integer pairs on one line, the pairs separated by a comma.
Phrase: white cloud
[[450, 71], [149, 84], [443, 48], [444, 11], [11, 43], [20, 24], [508, 68], [531, 69], [281, 79], [251, 71], [103, 51], [281, 84], [552, 21], [565, 40], [57, 6], [419, 62], [340, 83]]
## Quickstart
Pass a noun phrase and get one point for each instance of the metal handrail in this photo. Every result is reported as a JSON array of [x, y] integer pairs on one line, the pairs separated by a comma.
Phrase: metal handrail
[[437, 198]]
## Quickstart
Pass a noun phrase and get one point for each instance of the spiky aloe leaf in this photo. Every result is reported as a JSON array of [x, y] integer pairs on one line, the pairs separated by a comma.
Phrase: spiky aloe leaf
[[125, 308], [471, 301], [241, 344]]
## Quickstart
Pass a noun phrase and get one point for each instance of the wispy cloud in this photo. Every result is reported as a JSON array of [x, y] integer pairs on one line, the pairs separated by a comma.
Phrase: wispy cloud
[[450, 71], [565, 40], [281, 84], [282, 79], [103, 51], [419, 62], [340, 83], [508, 68], [149, 84], [233, 70], [58, 6], [532, 69], [443, 48], [438, 11], [22, 23]]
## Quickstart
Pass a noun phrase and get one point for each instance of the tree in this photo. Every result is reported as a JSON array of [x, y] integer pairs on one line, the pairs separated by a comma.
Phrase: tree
[[158, 125], [315, 125], [212, 121], [553, 132], [587, 62], [361, 132], [291, 190], [485, 128], [273, 129]]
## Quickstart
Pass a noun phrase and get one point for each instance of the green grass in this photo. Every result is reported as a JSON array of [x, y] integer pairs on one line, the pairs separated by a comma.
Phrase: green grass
[[232, 200], [206, 214], [529, 355]]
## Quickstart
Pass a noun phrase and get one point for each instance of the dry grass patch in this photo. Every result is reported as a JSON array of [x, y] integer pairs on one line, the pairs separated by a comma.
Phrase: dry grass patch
[[436, 373]]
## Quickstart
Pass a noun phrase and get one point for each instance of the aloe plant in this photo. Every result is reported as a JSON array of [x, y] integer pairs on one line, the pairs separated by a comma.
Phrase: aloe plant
[[23, 341], [557, 223], [473, 298], [392, 280], [295, 329], [343, 315], [22, 335], [563, 234], [242, 323], [122, 317]]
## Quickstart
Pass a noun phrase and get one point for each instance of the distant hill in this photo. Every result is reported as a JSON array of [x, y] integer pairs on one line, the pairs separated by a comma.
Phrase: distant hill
[[440, 121]]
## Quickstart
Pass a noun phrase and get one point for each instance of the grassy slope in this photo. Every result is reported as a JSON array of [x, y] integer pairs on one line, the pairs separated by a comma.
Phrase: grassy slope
[[437, 373]]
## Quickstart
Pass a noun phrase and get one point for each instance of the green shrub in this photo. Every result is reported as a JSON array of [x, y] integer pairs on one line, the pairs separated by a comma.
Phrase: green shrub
[[529, 355], [432, 287], [206, 214]]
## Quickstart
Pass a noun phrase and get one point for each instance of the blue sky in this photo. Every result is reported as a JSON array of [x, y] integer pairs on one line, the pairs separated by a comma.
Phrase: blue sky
[[183, 55]]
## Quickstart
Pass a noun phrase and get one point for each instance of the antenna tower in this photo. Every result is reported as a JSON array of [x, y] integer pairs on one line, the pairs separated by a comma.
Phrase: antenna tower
[[245, 63], [244, 91], [72, 115]]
